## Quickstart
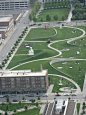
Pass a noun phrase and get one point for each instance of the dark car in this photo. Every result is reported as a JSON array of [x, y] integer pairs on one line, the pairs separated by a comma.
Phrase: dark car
[[58, 22], [15, 100], [32, 99], [34, 24], [57, 95], [73, 94], [62, 24], [31, 95], [6, 95], [39, 24]]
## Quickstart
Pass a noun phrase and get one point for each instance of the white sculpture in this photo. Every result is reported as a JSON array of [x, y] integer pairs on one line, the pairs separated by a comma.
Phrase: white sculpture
[[60, 26], [78, 52], [31, 52], [60, 82]]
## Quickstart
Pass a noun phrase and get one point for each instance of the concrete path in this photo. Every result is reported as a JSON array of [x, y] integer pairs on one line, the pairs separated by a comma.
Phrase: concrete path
[[50, 88]]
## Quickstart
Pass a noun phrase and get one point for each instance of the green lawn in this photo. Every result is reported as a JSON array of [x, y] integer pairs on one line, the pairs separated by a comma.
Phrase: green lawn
[[37, 34], [14, 106], [52, 12], [30, 112], [76, 73], [40, 50], [78, 107]]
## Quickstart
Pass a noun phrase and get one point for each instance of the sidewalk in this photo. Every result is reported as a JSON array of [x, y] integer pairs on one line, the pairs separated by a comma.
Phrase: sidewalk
[[6, 40]]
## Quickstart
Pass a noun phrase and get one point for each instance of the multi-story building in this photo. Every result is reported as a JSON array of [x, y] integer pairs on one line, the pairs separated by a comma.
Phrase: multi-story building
[[6, 25], [13, 4], [23, 81]]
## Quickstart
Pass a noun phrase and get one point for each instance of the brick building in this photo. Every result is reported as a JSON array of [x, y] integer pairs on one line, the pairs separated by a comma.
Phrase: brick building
[[6, 25], [23, 81]]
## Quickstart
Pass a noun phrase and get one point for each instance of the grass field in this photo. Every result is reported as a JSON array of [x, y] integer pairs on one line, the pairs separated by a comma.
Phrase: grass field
[[36, 34], [78, 107], [76, 73], [52, 12], [30, 112], [40, 50], [14, 106]]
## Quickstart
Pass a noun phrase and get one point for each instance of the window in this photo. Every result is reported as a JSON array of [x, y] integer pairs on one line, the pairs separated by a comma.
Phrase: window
[[12, 79], [27, 79], [18, 79], [3, 86], [43, 86], [12, 86]]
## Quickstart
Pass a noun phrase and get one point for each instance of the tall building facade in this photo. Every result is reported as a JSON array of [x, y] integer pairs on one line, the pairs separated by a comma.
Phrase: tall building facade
[[13, 4], [23, 81]]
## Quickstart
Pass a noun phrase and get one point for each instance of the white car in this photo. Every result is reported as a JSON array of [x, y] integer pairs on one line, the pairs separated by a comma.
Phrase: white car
[[1, 96], [24, 100]]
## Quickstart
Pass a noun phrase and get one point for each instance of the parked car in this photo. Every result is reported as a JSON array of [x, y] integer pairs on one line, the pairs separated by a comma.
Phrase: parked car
[[57, 95], [34, 24], [15, 100], [32, 99], [39, 24], [1, 96], [73, 94], [31, 95], [6, 95], [31, 25], [62, 24], [24, 100], [66, 94], [44, 95]]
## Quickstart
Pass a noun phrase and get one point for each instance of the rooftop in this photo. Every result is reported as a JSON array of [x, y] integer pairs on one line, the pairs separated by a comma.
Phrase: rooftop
[[5, 19], [21, 73]]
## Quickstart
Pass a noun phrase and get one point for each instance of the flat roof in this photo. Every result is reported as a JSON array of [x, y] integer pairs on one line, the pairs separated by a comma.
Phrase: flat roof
[[21, 73], [5, 19]]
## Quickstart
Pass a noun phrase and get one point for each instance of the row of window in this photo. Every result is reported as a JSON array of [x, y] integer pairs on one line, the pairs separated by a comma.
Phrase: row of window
[[27, 86]]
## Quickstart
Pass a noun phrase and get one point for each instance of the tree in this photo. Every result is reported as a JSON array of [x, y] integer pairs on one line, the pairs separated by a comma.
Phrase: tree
[[20, 103], [41, 19], [55, 17], [63, 17], [7, 98], [34, 18], [6, 113], [30, 16], [33, 100], [0, 66], [25, 107], [38, 98], [37, 104], [48, 17], [69, 98], [23, 98], [57, 92], [15, 110]]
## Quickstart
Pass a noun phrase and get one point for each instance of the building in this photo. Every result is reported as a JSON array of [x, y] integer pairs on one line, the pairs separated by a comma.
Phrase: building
[[23, 81], [61, 107], [6, 25], [13, 4]]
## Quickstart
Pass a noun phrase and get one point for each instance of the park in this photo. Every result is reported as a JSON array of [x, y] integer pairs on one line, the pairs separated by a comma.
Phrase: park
[[44, 53]]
